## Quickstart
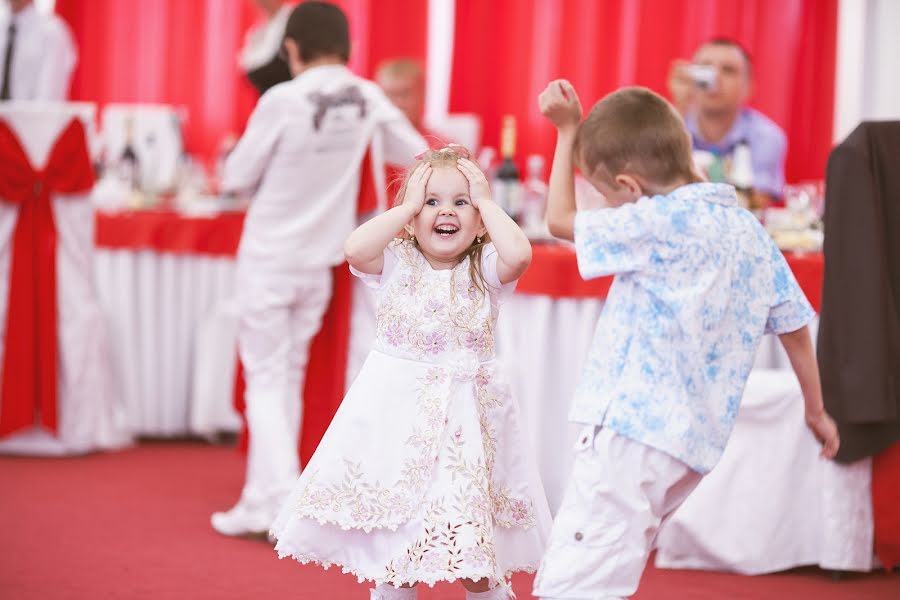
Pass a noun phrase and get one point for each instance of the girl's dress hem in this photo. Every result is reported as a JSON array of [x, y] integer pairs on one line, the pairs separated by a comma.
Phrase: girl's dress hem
[[305, 559]]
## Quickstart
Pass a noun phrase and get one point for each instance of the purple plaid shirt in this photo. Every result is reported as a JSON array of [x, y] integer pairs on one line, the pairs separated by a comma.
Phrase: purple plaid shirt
[[768, 146]]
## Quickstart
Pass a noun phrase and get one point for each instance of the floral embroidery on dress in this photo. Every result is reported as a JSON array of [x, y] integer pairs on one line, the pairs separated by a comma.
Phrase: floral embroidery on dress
[[459, 528], [441, 318], [374, 504]]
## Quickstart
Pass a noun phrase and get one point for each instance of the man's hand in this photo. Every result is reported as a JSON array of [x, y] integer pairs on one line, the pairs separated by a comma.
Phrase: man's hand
[[825, 430], [479, 188], [559, 103], [681, 85], [415, 188]]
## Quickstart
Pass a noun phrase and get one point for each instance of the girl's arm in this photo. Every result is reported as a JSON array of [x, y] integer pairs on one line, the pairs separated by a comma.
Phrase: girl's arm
[[364, 249], [560, 104], [513, 247]]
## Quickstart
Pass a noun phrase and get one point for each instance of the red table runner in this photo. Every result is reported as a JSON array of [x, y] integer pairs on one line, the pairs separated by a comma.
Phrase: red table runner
[[166, 231], [553, 272]]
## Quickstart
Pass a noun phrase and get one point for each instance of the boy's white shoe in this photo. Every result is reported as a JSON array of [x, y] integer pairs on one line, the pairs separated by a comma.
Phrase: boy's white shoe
[[242, 521]]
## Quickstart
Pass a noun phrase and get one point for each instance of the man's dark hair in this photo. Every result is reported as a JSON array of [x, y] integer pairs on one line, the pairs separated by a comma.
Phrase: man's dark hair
[[732, 43], [320, 29]]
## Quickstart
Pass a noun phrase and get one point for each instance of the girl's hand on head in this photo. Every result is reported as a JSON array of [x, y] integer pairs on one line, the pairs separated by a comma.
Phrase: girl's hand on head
[[415, 187], [479, 188], [560, 104]]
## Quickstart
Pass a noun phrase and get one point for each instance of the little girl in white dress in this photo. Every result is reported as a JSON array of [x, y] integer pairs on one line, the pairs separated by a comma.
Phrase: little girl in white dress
[[424, 474]]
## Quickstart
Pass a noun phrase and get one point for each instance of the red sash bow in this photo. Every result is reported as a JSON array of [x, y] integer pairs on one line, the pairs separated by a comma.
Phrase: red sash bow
[[29, 372]]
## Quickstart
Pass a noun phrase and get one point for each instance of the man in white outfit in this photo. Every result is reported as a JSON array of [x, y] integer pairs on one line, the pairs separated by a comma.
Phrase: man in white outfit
[[37, 54], [301, 153]]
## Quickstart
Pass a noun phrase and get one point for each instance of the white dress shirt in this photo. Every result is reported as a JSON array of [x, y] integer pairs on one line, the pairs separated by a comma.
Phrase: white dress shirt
[[301, 154], [44, 55]]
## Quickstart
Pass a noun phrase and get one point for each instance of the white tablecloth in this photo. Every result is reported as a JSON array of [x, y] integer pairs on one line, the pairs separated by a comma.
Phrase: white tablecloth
[[155, 304]]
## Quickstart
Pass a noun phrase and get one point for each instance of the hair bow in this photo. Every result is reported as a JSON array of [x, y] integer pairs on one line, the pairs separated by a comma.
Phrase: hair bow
[[461, 150]]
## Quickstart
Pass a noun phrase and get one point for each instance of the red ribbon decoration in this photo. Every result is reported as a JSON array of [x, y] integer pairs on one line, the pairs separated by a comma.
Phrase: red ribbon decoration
[[29, 377]]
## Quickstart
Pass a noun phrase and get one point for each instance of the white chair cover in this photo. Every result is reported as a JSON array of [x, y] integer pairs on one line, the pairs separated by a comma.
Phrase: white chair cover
[[90, 414], [773, 503]]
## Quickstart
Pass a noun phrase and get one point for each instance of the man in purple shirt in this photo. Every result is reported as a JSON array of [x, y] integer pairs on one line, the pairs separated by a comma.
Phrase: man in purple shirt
[[718, 119]]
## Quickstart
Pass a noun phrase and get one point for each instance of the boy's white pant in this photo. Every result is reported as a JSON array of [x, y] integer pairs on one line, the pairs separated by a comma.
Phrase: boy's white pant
[[619, 493], [280, 315]]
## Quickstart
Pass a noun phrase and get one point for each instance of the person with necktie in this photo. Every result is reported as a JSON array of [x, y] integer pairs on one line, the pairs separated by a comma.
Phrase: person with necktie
[[37, 54]]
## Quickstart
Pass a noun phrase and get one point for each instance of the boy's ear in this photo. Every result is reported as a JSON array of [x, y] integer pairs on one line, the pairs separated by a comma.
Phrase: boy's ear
[[292, 50], [631, 184]]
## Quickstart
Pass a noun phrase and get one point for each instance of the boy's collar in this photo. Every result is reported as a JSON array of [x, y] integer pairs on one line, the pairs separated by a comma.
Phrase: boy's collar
[[321, 70], [718, 193]]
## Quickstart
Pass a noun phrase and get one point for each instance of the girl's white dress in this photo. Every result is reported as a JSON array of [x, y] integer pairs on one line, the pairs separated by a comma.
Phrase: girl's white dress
[[424, 474]]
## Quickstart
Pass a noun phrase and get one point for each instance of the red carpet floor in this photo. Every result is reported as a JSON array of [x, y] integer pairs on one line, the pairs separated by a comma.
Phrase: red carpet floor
[[134, 525]]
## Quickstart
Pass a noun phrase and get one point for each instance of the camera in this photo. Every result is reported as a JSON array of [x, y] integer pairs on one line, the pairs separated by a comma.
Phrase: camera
[[703, 76]]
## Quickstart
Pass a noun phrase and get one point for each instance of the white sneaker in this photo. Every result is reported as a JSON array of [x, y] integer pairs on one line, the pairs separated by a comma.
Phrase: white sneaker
[[385, 591], [242, 522]]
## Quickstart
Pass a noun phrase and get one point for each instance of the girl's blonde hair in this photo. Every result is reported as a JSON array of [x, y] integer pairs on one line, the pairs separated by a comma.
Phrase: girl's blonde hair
[[447, 157]]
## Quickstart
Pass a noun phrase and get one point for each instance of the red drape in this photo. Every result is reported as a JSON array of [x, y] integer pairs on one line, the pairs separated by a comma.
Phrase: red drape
[[184, 53], [507, 50], [165, 51], [885, 495]]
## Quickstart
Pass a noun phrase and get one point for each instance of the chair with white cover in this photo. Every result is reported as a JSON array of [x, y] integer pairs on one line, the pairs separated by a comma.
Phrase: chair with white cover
[[58, 386], [215, 362], [772, 503]]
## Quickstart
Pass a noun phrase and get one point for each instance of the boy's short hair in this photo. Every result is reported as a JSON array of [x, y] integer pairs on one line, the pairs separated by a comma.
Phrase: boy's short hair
[[635, 131], [320, 29]]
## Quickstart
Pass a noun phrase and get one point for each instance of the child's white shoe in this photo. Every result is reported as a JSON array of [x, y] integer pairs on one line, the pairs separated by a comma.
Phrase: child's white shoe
[[502, 592], [385, 591], [242, 521]]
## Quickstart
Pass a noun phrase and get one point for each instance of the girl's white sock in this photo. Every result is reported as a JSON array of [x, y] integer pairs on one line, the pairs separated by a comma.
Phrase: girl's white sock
[[502, 592], [385, 591]]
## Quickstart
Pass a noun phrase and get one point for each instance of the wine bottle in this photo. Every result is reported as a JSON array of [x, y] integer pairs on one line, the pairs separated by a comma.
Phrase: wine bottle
[[741, 175], [534, 198], [128, 164], [507, 185]]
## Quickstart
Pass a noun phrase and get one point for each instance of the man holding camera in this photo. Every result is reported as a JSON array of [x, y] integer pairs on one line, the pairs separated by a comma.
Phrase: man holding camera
[[711, 93]]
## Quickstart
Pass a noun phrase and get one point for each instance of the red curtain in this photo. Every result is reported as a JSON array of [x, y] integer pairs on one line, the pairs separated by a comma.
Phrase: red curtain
[[184, 52], [517, 46]]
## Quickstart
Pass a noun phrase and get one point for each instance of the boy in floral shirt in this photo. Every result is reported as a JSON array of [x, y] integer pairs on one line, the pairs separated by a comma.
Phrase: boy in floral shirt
[[698, 282]]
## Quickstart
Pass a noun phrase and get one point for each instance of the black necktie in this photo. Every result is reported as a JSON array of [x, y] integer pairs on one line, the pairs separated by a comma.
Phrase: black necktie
[[7, 62]]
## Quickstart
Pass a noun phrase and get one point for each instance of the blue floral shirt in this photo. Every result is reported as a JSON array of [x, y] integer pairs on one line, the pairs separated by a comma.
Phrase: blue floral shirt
[[698, 282]]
